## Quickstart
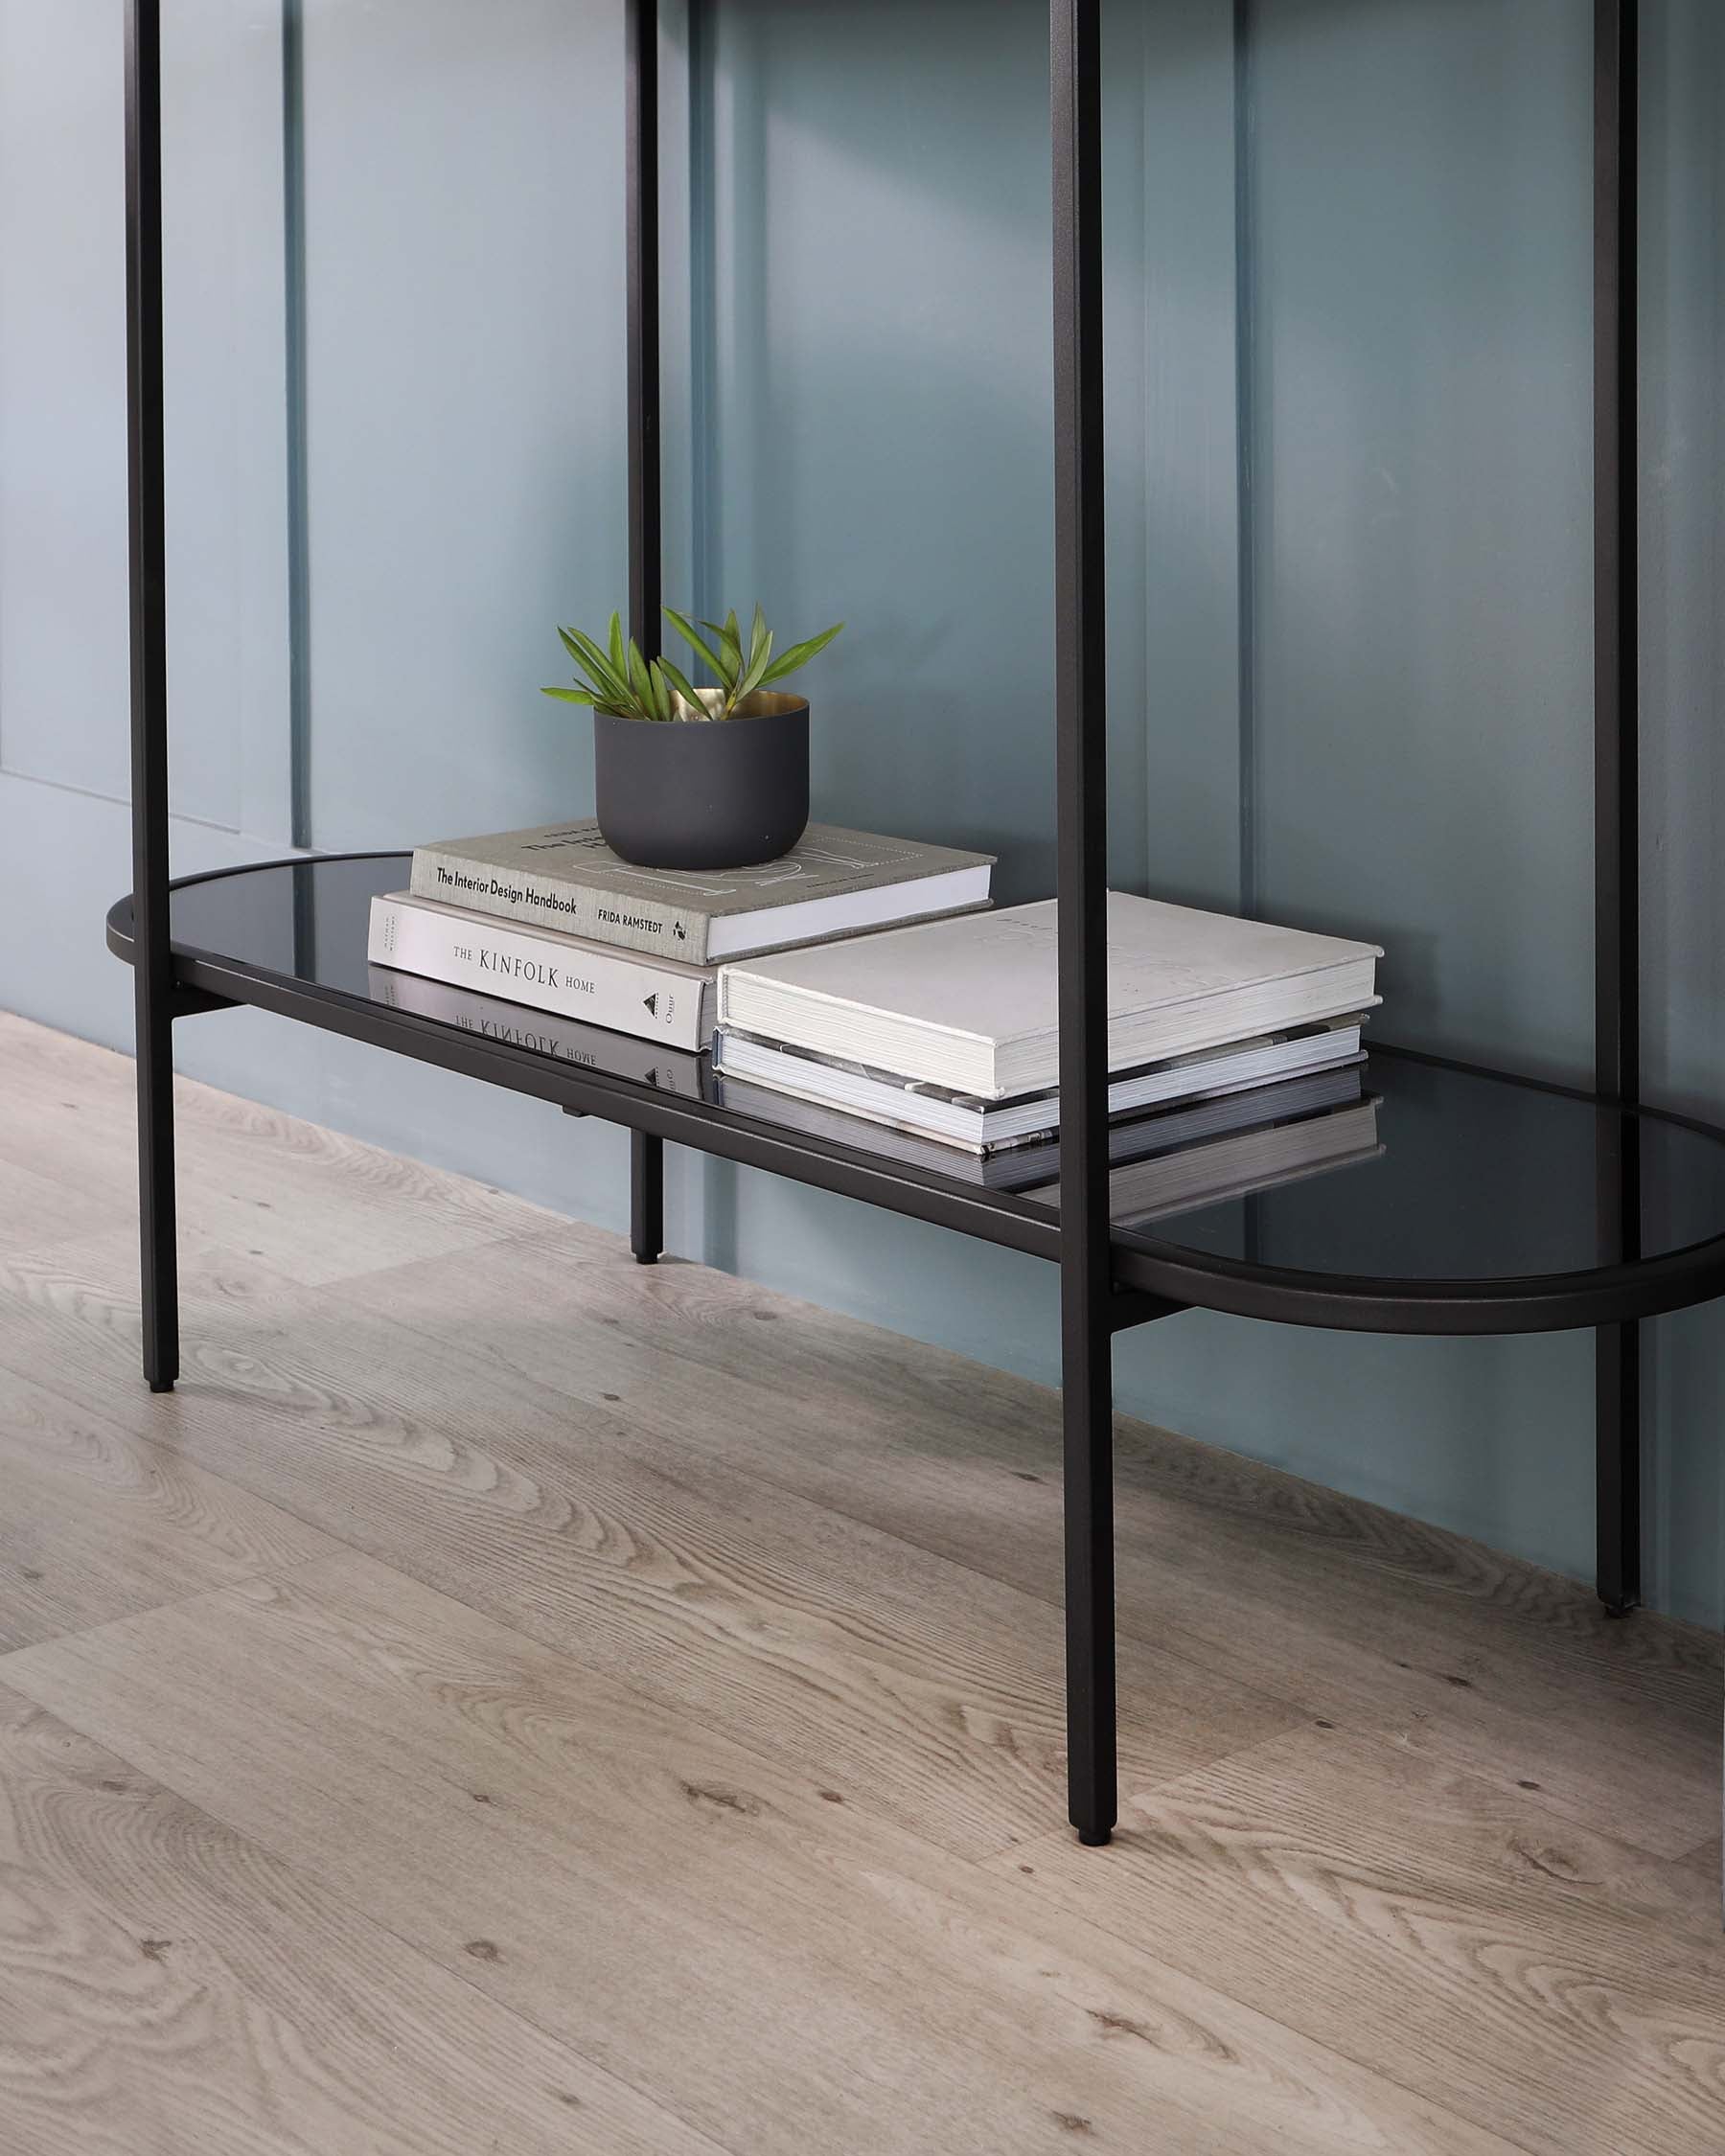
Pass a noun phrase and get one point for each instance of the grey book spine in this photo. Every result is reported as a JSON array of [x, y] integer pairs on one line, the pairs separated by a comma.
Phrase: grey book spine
[[632, 922]]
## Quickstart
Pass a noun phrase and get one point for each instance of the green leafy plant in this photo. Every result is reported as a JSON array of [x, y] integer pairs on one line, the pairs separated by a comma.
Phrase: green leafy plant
[[616, 679], [740, 673]]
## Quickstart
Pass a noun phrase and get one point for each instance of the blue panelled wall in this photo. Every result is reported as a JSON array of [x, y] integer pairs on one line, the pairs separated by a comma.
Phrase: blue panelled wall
[[1349, 283]]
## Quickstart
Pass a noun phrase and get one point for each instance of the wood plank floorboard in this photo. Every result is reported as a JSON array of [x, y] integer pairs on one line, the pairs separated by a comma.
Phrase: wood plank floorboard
[[98, 1523], [36, 1208], [1418, 1918], [1343, 1612], [169, 1989], [311, 1203], [932, 1693], [841, 1986], [508, 1699]]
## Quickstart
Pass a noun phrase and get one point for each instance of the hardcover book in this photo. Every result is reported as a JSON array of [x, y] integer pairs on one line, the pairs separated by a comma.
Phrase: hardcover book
[[565, 1039], [832, 883], [963, 1119], [1035, 1161], [655, 999], [973, 1004]]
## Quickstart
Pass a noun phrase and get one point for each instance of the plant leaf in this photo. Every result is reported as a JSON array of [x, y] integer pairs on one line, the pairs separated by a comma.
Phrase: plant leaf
[[589, 661], [758, 638], [594, 664], [572, 696], [681, 683], [693, 637], [641, 680], [599, 665], [618, 658], [567, 638], [761, 654], [730, 650], [798, 655], [662, 705]]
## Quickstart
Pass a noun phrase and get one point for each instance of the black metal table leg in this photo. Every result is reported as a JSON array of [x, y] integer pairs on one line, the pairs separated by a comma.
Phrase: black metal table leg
[[1081, 821], [153, 983], [641, 236], [646, 1196], [1617, 1384], [1086, 1406], [159, 1256], [1617, 825]]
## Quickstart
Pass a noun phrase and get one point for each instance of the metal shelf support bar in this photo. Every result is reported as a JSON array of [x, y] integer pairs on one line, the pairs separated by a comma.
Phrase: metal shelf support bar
[[1616, 835], [154, 1000], [646, 495], [1081, 882]]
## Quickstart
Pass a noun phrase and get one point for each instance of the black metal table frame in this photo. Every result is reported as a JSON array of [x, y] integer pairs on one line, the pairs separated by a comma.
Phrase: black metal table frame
[[1106, 1286]]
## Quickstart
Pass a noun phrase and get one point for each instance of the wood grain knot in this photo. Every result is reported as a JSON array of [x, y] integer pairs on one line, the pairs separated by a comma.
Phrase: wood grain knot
[[1117, 2024], [722, 1799]]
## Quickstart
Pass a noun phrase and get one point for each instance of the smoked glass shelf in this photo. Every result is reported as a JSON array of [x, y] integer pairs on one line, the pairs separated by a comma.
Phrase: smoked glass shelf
[[1460, 1201]]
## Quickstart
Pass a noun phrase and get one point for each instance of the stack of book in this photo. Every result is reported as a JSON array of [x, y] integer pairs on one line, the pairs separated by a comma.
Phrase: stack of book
[[1234, 1049], [861, 992], [549, 939]]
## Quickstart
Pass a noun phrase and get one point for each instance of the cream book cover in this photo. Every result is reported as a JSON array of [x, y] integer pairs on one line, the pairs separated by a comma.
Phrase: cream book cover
[[973, 1003]]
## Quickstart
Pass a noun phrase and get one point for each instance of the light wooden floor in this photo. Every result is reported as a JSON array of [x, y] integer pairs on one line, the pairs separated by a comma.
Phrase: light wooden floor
[[511, 1700]]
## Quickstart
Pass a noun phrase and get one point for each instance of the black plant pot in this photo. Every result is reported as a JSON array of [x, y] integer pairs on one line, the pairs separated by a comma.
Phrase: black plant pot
[[703, 793]]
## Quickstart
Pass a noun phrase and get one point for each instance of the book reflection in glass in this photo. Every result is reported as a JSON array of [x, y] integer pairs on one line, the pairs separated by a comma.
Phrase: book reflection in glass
[[1195, 1153], [545, 1033], [1252, 1163]]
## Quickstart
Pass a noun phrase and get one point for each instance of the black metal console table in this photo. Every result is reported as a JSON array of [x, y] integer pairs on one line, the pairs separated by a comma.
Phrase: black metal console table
[[1496, 1204]]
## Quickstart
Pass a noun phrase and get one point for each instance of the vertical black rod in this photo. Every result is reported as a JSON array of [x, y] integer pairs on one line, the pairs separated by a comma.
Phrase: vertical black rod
[[299, 508], [1080, 670], [645, 534], [646, 498], [703, 310], [153, 969], [646, 1196], [1617, 834], [1245, 433], [1617, 918], [1616, 1423]]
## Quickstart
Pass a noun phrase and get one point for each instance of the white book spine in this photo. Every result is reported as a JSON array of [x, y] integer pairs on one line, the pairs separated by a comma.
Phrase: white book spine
[[601, 987]]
